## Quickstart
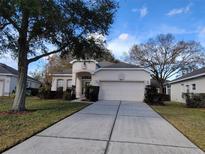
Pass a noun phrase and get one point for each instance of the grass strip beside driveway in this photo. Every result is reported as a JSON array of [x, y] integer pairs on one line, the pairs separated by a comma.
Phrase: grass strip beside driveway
[[14, 128], [190, 121]]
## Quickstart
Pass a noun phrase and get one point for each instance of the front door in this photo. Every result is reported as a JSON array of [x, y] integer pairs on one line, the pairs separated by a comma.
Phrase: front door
[[85, 83]]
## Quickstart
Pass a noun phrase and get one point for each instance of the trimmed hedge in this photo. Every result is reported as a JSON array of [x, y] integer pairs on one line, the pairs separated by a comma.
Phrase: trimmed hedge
[[45, 93], [195, 100]]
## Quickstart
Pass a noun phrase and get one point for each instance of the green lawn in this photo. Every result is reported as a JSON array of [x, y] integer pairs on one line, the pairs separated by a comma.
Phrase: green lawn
[[190, 121], [16, 128]]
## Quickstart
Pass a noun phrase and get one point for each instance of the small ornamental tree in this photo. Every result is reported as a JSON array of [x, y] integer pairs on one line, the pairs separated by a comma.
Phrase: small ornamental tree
[[32, 29]]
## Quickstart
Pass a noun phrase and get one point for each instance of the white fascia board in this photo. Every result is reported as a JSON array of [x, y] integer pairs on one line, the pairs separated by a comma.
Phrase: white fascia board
[[121, 81], [188, 78], [81, 60], [61, 74], [123, 69]]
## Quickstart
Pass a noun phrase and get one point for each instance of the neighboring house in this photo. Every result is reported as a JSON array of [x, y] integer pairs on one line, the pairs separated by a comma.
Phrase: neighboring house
[[8, 80], [193, 82], [117, 81]]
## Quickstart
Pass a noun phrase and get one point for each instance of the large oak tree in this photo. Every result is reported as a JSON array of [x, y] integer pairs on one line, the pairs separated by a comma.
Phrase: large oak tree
[[32, 29], [165, 56]]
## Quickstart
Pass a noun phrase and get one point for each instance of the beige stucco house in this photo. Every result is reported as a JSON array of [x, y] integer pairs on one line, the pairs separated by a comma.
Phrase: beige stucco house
[[117, 81], [8, 80], [193, 82]]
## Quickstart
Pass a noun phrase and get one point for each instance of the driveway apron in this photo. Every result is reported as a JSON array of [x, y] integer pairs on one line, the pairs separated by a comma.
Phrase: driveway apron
[[109, 127]]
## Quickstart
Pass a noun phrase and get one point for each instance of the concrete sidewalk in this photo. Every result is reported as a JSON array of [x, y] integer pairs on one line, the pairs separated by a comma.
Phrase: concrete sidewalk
[[109, 127]]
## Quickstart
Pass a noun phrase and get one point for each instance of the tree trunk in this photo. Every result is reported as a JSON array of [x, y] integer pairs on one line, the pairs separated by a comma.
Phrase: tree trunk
[[19, 101], [161, 88]]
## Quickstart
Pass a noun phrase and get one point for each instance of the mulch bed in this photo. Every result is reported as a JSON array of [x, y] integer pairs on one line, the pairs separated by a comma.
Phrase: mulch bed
[[15, 113]]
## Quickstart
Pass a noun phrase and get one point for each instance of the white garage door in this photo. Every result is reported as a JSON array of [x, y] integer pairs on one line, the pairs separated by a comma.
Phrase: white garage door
[[1, 88], [121, 90]]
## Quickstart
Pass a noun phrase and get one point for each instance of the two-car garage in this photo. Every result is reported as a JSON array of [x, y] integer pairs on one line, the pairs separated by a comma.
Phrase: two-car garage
[[122, 90], [122, 81]]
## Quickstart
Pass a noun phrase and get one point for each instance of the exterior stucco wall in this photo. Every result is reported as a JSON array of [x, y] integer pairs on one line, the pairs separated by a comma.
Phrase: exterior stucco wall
[[178, 88], [56, 78], [79, 66], [10, 82], [13, 83], [117, 75]]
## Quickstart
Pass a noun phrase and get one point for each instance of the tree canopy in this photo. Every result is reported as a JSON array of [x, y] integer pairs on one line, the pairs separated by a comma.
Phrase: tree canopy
[[32, 29], [165, 56]]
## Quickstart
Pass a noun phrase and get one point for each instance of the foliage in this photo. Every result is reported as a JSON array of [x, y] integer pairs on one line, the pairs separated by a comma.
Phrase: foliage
[[32, 91], [92, 92], [195, 100], [30, 30], [41, 114], [165, 56], [67, 94], [152, 96]]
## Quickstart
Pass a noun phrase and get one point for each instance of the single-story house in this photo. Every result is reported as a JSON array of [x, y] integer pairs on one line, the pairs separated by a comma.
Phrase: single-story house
[[117, 81], [193, 82], [8, 80]]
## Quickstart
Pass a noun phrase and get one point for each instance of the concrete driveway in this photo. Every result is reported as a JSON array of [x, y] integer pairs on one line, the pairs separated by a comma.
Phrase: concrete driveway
[[109, 127]]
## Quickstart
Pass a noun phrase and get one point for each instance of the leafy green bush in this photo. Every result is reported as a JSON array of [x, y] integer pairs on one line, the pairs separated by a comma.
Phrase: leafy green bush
[[67, 94], [44, 92], [195, 100], [92, 92], [152, 97]]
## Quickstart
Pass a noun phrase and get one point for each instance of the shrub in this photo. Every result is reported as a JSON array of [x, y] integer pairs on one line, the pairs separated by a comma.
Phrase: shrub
[[92, 93], [67, 94], [152, 97], [44, 92], [195, 100], [32, 91], [73, 94]]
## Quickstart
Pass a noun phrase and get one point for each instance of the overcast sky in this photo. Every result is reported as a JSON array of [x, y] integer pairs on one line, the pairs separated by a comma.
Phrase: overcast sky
[[138, 20]]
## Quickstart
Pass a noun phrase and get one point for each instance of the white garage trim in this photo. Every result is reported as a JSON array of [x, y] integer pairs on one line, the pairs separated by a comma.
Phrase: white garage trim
[[122, 90], [1, 87]]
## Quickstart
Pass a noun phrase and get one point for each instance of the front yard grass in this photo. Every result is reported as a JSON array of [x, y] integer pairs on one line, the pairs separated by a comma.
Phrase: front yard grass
[[15, 128], [190, 121]]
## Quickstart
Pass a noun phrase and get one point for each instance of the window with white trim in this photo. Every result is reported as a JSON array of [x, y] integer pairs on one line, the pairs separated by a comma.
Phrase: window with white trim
[[69, 83], [194, 86], [59, 83]]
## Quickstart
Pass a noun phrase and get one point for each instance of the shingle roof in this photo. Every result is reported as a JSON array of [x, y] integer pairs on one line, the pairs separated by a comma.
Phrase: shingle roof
[[121, 65], [192, 74], [5, 69], [104, 63]]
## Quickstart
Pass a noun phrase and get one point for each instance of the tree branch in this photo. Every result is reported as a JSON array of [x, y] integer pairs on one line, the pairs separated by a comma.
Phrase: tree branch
[[45, 54], [13, 23], [2, 26]]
